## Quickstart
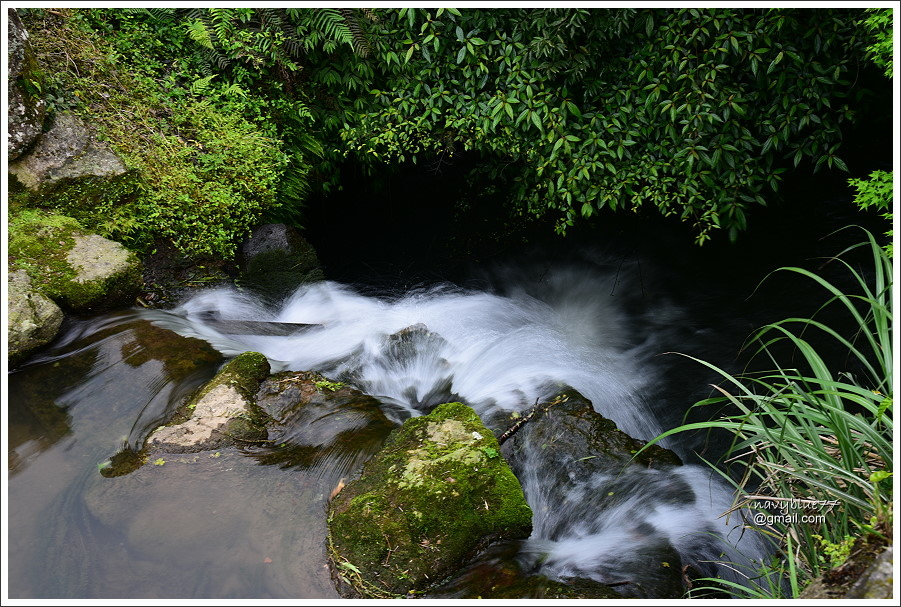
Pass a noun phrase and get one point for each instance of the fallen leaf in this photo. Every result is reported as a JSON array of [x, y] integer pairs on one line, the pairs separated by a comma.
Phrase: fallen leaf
[[336, 490], [267, 560]]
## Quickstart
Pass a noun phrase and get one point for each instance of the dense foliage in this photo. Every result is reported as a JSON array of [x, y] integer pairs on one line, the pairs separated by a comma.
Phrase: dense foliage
[[694, 112], [201, 170], [566, 112]]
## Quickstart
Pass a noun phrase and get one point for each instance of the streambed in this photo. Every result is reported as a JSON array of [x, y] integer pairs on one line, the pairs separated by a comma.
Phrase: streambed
[[221, 525]]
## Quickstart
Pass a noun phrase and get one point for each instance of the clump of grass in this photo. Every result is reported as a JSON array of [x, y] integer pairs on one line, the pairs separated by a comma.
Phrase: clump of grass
[[813, 447]]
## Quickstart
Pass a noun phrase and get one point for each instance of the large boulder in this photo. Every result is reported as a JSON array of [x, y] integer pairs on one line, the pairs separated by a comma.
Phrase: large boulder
[[68, 151], [26, 108], [437, 494], [33, 318], [75, 268], [276, 259], [585, 478]]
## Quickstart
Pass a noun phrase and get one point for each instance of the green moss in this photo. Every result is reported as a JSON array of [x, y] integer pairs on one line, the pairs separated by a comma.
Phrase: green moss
[[430, 499], [245, 372], [202, 170], [40, 242]]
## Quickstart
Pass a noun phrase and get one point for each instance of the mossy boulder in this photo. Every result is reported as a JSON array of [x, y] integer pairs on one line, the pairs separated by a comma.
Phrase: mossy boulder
[[71, 266], [220, 414], [438, 493]]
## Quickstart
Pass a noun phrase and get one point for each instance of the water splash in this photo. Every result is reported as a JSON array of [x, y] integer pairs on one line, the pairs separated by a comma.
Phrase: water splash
[[489, 350]]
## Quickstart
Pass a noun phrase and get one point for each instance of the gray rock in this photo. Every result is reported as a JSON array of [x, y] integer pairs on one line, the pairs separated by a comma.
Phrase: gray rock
[[276, 259], [221, 414], [877, 581], [25, 110], [33, 319], [68, 150], [579, 470], [95, 258]]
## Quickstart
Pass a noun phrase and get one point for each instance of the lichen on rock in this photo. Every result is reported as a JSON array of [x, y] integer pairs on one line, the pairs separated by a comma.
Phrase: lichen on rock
[[436, 494], [68, 151], [26, 108]]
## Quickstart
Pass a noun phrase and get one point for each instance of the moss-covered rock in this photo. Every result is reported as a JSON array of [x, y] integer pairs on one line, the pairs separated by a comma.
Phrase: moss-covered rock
[[76, 269], [436, 494], [220, 414]]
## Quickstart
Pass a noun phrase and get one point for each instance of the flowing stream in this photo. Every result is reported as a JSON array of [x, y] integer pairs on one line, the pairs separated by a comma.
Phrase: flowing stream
[[221, 525]]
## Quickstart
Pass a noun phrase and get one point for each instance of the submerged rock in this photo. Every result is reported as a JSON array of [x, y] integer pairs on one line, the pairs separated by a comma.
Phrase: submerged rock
[[320, 425], [434, 496], [499, 574], [221, 414]]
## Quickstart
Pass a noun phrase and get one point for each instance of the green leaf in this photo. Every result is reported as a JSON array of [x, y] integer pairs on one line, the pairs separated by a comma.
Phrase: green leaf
[[349, 566]]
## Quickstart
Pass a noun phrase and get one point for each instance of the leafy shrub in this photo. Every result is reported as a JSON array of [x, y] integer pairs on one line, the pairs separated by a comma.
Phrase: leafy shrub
[[694, 113]]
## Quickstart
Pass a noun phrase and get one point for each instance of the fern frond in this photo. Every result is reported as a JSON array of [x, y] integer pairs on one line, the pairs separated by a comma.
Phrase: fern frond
[[330, 23], [160, 14], [199, 33], [202, 85], [360, 42]]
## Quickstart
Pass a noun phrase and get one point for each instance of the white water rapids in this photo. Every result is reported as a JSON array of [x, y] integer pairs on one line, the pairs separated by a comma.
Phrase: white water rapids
[[508, 350]]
